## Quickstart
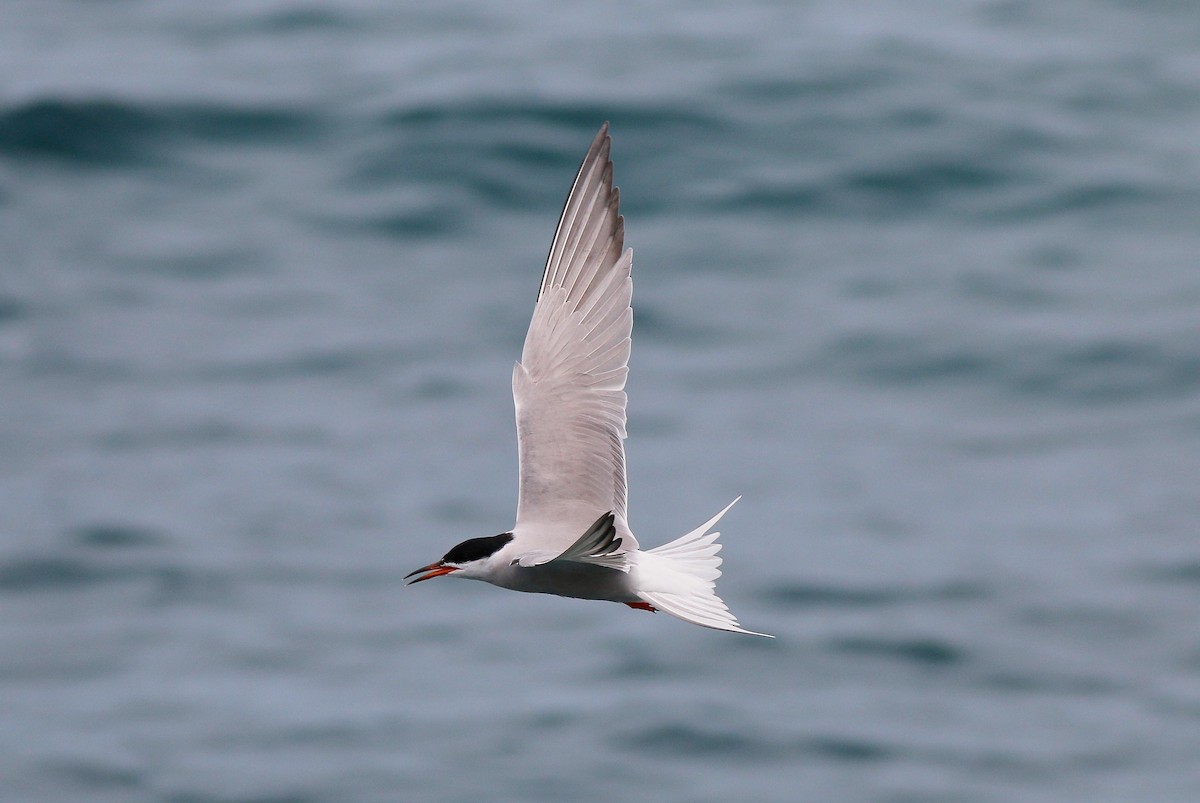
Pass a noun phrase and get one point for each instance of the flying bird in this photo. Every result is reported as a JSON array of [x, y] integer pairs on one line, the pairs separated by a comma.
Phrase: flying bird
[[571, 537]]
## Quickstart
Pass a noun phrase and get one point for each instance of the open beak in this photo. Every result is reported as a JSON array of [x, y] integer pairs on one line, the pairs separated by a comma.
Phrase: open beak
[[433, 569]]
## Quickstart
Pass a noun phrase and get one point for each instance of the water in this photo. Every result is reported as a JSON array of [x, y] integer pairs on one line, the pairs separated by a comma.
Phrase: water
[[917, 279]]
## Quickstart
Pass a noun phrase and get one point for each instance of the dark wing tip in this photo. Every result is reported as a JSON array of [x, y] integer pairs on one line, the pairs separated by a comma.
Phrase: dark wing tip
[[600, 151]]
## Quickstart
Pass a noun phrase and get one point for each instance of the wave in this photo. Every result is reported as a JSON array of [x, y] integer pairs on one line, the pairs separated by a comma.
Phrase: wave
[[1101, 371], [104, 554], [511, 153], [802, 595], [115, 132], [729, 743], [927, 652], [515, 153], [520, 147]]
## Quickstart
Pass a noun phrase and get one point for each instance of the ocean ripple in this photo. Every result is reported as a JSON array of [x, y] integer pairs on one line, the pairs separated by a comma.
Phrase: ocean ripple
[[101, 132]]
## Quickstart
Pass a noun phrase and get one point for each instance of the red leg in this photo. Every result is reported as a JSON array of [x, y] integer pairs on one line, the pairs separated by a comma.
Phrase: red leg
[[642, 606]]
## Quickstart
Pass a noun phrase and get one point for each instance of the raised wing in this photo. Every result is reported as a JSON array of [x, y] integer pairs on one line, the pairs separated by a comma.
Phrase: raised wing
[[569, 385]]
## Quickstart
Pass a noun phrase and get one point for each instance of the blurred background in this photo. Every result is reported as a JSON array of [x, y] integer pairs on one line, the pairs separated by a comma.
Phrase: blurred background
[[920, 280]]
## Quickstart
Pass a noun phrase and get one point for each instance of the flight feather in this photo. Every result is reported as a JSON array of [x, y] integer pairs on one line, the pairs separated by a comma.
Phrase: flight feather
[[569, 387]]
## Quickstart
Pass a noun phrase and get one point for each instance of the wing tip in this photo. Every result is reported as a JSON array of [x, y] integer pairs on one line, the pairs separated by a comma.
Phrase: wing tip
[[599, 152]]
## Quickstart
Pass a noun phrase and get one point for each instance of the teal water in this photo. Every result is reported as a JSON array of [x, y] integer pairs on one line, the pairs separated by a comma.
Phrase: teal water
[[919, 280]]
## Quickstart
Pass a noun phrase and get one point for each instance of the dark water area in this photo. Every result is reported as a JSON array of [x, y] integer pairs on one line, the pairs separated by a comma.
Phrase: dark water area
[[918, 280]]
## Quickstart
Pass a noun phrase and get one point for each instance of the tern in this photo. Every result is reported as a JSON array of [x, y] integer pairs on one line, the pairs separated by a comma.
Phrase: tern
[[571, 537]]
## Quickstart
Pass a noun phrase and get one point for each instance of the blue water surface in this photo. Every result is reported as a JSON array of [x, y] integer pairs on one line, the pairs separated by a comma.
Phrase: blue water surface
[[920, 280]]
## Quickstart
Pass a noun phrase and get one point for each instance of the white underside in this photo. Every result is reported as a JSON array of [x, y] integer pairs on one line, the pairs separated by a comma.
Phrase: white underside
[[677, 578]]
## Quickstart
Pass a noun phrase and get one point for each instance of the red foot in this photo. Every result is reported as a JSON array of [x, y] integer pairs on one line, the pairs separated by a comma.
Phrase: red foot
[[642, 606]]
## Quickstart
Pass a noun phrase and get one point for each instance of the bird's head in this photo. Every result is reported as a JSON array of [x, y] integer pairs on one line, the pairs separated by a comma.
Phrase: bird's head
[[470, 559]]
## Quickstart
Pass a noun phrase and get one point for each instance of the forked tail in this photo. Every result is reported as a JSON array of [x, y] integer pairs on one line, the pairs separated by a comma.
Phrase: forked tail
[[679, 578]]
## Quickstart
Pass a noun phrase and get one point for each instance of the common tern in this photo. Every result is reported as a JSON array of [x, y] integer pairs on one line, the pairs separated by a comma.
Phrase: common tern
[[571, 537]]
